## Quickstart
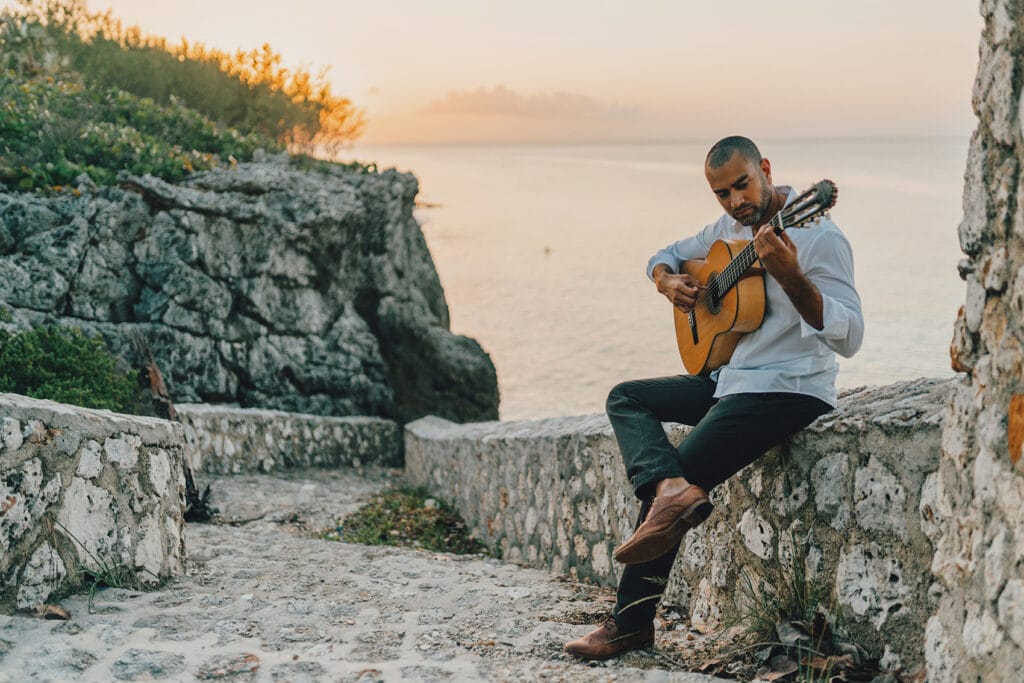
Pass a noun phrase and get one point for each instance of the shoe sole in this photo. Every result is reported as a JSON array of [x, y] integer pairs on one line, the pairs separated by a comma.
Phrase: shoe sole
[[641, 646], [692, 516]]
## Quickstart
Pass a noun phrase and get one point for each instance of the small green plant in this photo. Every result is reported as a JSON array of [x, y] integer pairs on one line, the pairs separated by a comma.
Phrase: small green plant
[[805, 643], [105, 574], [65, 365], [407, 516]]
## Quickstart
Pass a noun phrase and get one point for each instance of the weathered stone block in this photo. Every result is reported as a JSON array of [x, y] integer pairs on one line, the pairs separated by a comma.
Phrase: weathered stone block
[[878, 499], [85, 490], [869, 579], [996, 71]]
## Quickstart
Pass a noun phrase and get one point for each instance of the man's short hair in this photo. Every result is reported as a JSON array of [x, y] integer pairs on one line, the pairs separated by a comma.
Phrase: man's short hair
[[723, 150]]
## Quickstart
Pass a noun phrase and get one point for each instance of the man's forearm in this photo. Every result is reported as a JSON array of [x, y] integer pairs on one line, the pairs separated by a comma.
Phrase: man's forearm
[[806, 299]]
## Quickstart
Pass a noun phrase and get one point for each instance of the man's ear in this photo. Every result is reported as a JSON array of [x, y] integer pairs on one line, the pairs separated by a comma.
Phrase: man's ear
[[766, 168]]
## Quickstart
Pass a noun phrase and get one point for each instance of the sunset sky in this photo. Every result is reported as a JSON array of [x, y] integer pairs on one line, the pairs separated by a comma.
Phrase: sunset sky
[[574, 70]]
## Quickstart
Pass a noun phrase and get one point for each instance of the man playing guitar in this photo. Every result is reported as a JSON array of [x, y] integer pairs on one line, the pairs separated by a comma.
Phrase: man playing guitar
[[779, 378]]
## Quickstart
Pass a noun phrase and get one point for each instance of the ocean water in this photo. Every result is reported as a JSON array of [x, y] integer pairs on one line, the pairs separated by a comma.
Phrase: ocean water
[[541, 250]]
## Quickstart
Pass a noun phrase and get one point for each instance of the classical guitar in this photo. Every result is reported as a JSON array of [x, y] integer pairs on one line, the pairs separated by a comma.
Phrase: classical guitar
[[732, 300]]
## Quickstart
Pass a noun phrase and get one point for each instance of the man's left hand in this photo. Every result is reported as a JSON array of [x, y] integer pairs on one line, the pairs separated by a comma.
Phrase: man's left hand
[[777, 253]]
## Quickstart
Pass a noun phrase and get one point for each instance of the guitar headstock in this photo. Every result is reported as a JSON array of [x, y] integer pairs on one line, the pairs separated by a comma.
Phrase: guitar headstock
[[826, 193], [811, 204]]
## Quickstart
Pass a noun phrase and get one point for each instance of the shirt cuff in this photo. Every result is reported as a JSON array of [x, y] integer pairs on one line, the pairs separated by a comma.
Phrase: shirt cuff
[[835, 321], [653, 263]]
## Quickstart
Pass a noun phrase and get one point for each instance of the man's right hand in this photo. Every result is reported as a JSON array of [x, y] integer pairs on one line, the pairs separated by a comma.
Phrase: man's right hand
[[681, 289]]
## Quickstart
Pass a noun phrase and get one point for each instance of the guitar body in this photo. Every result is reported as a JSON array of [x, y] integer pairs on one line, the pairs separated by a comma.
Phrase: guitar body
[[708, 336]]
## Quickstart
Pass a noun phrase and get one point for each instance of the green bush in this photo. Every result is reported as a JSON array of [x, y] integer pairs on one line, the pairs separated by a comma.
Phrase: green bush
[[63, 364], [53, 129], [80, 93], [251, 92]]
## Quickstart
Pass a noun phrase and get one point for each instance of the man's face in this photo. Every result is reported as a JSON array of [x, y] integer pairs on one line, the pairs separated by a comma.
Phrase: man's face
[[743, 188]]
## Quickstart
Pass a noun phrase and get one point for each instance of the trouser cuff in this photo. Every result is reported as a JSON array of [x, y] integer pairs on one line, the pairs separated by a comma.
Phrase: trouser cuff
[[644, 484]]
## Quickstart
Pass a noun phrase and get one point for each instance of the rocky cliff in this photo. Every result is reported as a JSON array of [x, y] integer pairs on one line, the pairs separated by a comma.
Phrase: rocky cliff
[[977, 630], [262, 285]]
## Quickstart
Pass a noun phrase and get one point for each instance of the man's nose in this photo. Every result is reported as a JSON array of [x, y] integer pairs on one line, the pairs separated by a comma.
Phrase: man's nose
[[736, 200]]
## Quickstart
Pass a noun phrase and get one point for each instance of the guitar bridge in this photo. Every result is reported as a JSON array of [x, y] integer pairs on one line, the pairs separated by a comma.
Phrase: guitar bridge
[[693, 327]]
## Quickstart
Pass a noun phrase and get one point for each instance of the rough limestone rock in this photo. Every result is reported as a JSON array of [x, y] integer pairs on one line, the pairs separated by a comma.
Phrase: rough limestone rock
[[977, 630], [263, 285]]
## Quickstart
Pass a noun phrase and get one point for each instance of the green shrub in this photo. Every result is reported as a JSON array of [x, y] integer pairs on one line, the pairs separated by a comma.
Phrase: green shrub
[[53, 129], [251, 92], [63, 364], [80, 93]]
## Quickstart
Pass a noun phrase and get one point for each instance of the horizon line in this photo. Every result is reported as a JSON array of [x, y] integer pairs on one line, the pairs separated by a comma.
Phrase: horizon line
[[893, 137]]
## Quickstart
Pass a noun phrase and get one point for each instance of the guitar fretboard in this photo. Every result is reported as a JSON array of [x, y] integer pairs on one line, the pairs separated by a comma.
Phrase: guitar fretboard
[[727, 279]]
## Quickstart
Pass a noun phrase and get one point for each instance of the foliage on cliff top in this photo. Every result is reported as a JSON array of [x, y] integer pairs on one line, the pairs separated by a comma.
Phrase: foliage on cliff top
[[249, 91], [64, 365], [52, 130], [79, 93]]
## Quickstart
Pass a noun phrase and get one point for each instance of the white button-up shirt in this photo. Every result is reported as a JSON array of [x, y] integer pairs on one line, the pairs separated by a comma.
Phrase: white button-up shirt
[[786, 354]]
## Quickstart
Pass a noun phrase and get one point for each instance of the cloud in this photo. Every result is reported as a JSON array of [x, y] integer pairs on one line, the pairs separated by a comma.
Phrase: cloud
[[501, 101]]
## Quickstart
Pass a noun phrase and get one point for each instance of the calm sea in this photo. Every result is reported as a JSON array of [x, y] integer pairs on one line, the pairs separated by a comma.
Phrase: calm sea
[[542, 249]]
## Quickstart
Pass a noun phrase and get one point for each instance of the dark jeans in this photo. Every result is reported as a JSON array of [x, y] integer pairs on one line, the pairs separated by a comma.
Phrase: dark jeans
[[728, 434]]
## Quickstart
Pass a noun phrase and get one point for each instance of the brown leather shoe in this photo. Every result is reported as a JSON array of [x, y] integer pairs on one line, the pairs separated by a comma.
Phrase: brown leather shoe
[[666, 524], [607, 641]]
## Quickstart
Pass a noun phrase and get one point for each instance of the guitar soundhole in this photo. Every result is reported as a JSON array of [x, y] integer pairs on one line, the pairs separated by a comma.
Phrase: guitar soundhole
[[714, 299]]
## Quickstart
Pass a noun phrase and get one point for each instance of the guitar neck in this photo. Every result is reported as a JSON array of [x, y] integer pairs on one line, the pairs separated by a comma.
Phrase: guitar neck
[[732, 273]]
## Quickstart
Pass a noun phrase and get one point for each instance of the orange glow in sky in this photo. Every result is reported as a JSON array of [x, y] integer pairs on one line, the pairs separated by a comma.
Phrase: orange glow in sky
[[574, 70]]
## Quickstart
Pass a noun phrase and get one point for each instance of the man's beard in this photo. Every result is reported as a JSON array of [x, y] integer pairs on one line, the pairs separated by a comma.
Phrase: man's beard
[[757, 213]]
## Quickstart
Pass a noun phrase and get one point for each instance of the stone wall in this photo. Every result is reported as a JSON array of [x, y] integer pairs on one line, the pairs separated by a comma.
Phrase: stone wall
[[977, 631], [226, 440], [85, 490], [850, 502]]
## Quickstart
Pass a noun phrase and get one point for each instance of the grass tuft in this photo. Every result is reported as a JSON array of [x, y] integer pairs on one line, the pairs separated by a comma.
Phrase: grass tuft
[[110, 573], [407, 516]]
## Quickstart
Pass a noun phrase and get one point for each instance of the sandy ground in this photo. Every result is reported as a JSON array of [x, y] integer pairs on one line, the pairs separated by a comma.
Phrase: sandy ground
[[266, 599]]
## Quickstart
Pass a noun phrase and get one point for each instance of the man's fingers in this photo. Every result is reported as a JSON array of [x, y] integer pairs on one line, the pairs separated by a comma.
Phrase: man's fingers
[[682, 300], [683, 292]]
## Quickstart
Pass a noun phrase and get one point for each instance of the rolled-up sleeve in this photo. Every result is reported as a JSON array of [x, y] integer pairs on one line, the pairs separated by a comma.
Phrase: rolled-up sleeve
[[831, 271], [674, 254]]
